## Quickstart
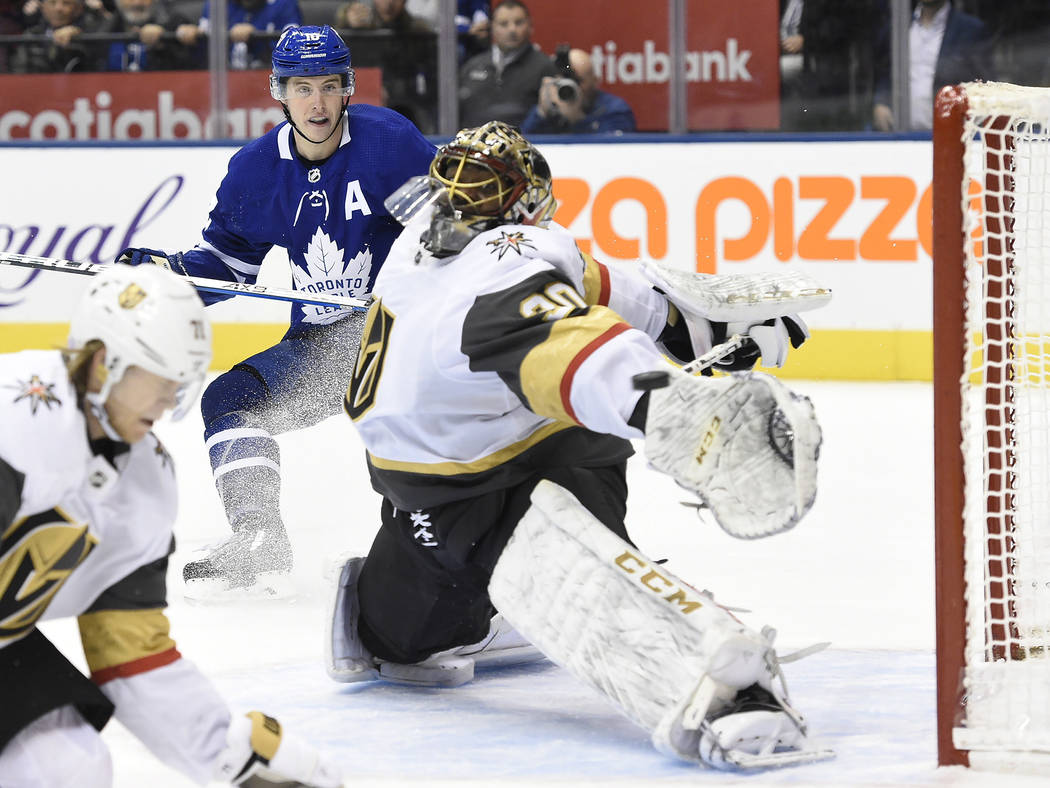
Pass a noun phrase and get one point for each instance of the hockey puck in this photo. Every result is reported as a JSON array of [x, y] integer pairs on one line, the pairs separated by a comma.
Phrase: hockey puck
[[647, 381]]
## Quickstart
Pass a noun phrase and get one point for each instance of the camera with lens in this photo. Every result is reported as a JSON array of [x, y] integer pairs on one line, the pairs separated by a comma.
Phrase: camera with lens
[[566, 83]]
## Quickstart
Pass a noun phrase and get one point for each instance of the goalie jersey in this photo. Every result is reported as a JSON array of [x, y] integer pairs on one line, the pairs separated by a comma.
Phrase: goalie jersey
[[548, 339], [328, 215], [86, 530]]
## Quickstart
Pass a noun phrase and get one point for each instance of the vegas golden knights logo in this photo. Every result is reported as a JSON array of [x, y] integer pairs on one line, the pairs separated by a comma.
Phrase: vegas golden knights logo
[[131, 297], [37, 554], [360, 396]]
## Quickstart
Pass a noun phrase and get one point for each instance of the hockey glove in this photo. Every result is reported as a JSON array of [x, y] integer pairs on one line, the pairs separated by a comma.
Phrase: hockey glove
[[135, 256], [259, 753], [769, 339]]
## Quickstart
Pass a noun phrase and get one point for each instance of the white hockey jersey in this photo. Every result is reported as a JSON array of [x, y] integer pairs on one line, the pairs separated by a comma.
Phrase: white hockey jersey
[[87, 536], [517, 353]]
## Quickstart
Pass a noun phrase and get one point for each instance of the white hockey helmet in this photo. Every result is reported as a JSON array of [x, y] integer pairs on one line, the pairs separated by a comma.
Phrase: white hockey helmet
[[147, 316]]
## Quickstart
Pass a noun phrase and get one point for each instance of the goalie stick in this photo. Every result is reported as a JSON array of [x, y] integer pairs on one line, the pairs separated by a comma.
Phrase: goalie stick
[[201, 283]]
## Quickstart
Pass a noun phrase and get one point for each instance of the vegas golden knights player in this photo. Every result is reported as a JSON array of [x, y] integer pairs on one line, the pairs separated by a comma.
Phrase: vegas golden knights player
[[500, 379], [87, 505]]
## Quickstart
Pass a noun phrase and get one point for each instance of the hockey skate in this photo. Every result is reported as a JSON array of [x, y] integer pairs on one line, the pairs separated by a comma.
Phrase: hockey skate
[[750, 729], [348, 660], [254, 562]]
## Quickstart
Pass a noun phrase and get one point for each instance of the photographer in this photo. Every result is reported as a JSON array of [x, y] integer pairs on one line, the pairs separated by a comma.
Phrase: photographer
[[572, 103]]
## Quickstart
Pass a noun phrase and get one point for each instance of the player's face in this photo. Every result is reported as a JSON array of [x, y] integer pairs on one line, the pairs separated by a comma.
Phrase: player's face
[[477, 190], [315, 104], [137, 400]]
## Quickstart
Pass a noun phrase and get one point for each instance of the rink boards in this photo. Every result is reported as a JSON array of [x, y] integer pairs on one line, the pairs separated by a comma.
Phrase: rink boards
[[853, 214]]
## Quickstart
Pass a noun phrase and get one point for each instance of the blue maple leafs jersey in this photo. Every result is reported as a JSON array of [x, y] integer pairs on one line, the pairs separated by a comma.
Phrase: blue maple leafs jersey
[[328, 215]]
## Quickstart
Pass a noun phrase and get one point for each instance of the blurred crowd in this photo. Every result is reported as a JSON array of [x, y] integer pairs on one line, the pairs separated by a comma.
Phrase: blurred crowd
[[835, 57]]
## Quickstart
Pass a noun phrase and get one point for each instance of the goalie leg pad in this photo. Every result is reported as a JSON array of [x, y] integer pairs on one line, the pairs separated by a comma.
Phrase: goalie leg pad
[[666, 654], [346, 658], [745, 444]]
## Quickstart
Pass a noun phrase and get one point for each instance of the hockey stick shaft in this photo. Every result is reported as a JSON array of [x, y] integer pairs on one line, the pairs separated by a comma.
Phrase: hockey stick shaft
[[201, 283], [731, 345]]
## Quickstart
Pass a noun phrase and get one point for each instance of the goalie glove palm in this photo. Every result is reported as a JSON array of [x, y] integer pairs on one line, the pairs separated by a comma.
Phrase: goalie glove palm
[[745, 444]]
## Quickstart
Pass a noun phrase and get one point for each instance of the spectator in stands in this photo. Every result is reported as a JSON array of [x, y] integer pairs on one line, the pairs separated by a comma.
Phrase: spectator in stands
[[11, 24], [573, 103], [503, 83], [150, 19], [408, 59], [945, 46], [380, 15], [827, 61], [245, 18], [473, 21], [63, 21]]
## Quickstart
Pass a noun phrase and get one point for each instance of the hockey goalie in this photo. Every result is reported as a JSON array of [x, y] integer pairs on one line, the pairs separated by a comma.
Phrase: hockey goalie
[[501, 377]]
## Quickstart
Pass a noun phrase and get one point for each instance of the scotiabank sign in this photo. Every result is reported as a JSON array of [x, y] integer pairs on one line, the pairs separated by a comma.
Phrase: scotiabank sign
[[732, 57], [171, 105]]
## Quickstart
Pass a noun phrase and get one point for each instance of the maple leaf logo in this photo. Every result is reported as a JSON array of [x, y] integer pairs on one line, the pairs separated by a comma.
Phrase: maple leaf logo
[[507, 241], [327, 271], [323, 255]]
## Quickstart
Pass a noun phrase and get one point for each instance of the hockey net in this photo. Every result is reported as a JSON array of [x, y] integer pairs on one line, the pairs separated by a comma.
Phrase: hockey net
[[992, 424]]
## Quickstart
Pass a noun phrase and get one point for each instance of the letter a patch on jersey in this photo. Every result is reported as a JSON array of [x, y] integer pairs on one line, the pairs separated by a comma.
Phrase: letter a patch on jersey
[[360, 396]]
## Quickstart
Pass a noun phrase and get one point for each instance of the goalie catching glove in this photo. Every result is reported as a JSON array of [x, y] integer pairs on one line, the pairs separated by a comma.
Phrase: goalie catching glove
[[745, 444], [259, 753], [706, 309], [136, 256]]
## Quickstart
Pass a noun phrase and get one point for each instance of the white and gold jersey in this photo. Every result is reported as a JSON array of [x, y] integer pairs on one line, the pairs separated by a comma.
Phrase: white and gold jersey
[[85, 530], [81, 523], [476, 369]]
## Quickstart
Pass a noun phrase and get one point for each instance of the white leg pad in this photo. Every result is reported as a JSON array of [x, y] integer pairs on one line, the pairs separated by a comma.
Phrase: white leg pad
[[666, 654], [346, 658]]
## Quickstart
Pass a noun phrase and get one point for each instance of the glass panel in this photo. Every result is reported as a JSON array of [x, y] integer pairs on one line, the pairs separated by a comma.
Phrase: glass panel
[[829, 51]]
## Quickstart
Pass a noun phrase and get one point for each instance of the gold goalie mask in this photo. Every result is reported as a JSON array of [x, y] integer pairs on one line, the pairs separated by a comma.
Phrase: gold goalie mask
[[486, 177]]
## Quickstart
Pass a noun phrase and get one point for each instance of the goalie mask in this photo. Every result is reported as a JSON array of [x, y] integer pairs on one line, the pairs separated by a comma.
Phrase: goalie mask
[[486, 177], [148, 317]]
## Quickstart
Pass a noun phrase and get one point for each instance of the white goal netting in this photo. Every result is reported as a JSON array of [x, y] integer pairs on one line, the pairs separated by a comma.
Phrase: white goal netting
[[1006, 419]]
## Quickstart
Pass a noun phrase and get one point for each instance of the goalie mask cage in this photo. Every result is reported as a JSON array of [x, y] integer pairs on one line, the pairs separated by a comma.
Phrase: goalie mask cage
[[991, 288]]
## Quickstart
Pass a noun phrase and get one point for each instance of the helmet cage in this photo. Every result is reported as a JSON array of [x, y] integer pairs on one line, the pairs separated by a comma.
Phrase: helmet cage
[[518, 179]]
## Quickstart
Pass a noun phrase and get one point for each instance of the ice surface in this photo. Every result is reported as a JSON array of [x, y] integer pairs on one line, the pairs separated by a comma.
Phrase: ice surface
[[858, 571]]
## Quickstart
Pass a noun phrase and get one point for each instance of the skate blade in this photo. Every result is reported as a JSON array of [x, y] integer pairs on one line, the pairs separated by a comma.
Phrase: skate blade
[[268, 586]]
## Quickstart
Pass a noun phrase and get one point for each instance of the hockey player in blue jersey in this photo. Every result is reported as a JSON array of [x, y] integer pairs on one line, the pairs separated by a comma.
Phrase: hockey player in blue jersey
[[314, 186]]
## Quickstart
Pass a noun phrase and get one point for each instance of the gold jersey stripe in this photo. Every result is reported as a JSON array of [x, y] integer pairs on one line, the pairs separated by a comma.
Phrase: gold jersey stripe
[[488, 462], [113, 638], [547, 369], [596, 286]]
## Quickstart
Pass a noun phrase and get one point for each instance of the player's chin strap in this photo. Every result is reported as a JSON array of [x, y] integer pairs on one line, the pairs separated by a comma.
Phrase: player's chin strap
[[97, 404], [335, 128]]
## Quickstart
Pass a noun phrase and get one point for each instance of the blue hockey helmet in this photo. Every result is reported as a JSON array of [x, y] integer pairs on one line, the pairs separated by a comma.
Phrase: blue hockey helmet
[[309, 51]]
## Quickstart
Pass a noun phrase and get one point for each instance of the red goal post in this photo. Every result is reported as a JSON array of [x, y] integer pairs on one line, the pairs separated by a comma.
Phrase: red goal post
[[991, 316]]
